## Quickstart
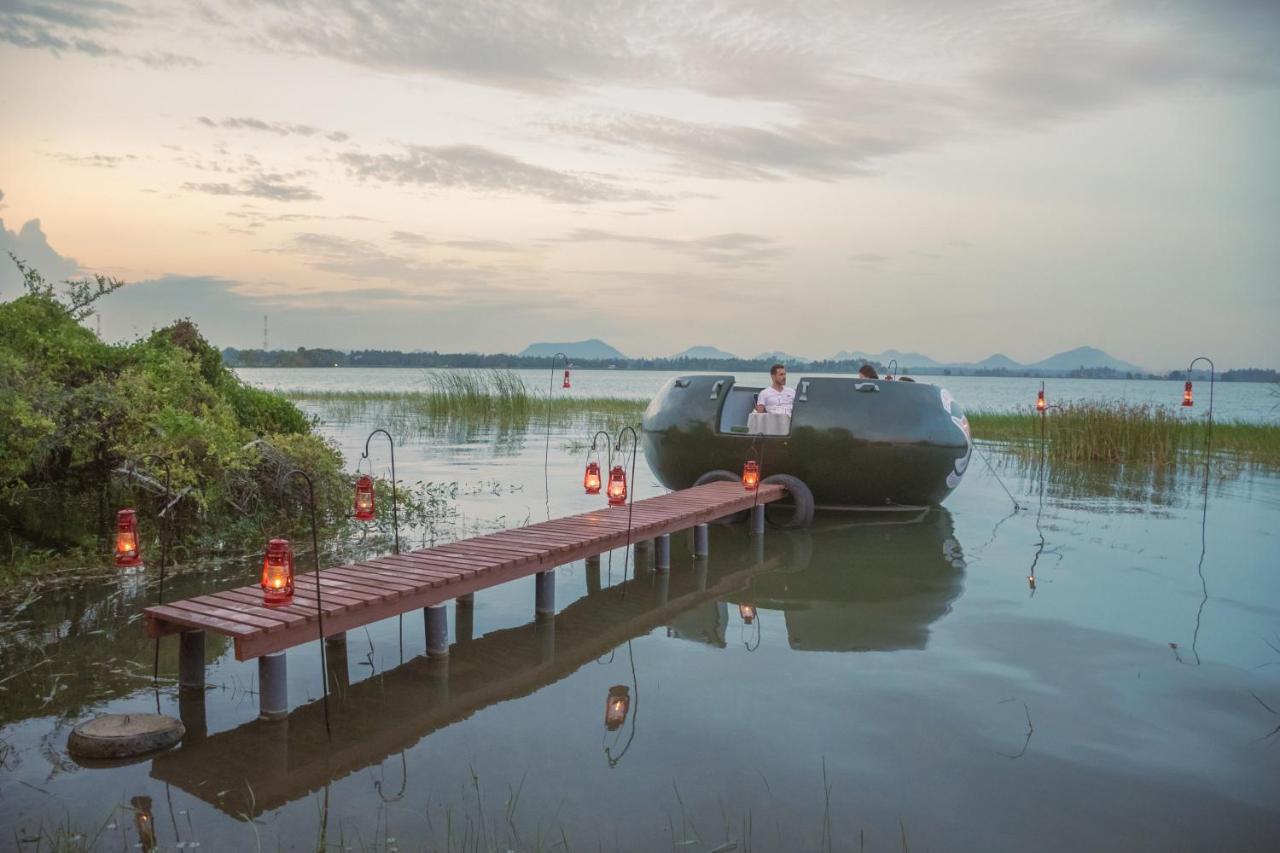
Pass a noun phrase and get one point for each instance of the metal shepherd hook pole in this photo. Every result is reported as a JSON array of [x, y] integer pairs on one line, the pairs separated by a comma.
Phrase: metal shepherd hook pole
[[546, 456], [164, 552], [395, 518], [315, 555], [631, 498]]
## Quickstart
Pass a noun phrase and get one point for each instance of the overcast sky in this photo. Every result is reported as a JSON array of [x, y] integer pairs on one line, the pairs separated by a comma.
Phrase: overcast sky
[[948, 177]]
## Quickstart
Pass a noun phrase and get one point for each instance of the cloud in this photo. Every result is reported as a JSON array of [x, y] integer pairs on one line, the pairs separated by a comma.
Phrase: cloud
[[270, 185], [279, 128], [101, 161], [410, 238], [62, 26], [725, 250], [843, 85], [31, 246], [474, 167]]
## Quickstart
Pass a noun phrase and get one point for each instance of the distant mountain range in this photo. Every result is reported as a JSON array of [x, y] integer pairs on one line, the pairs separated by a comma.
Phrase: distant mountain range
[[594, 348], [1081, 358], [703, 352]]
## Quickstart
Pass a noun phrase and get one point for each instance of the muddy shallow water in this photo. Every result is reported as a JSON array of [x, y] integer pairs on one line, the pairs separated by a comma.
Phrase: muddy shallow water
[[898, 678]]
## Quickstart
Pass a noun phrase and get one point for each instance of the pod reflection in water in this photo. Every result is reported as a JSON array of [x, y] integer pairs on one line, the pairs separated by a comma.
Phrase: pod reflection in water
[[615, 707], [277, 574], [617, 486], [127, 551], [364, 504], [591, 479]]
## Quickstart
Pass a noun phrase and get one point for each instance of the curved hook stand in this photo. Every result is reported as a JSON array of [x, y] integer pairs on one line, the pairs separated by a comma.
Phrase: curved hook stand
[[164, 554], [546, 455], [315, 555], [395, 516], [893, 368], [1209, 429], [747, 643], [631, 496], [404, 783]]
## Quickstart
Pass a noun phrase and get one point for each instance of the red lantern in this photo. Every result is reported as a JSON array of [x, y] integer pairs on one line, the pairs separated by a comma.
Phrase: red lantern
[[751, 475], [566, 378], [617, 486], [615, 707], [747, 612], [128, 552], [364, 498], [1186, 395], [591, 479], [277, 574], [1041, 405]]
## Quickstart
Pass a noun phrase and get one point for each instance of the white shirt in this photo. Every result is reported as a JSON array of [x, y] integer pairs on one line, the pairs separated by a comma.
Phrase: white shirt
[[777, 402]]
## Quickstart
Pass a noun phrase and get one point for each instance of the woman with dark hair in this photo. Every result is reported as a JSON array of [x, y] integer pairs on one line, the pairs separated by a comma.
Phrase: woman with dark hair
[[868, 372]]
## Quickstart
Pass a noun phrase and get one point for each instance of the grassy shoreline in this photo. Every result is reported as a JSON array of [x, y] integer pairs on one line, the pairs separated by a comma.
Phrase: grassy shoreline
[[1079, 432]]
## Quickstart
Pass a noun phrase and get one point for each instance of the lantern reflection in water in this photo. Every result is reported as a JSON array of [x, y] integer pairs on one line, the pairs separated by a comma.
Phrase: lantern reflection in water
[[144, 821], [277, 574], [128, 553], [615, 707], [747, 612]]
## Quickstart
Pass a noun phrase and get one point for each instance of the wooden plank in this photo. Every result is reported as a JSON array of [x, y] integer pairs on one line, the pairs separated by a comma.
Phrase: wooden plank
[[415, 569], [228, 614], [449, 571], [187, 619], [256, 608]]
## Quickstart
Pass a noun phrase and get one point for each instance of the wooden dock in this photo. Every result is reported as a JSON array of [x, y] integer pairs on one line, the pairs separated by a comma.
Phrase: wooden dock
[[361, 593]]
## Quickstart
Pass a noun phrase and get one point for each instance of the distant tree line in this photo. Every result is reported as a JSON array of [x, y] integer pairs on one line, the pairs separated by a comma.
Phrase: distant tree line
[[303, 357]]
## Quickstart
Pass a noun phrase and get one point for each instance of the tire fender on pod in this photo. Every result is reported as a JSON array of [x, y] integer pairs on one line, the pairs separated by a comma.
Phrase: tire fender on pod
[[800, 501]]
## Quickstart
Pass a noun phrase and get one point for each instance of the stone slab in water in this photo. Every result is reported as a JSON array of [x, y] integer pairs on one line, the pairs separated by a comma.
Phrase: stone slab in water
[[124, 735]]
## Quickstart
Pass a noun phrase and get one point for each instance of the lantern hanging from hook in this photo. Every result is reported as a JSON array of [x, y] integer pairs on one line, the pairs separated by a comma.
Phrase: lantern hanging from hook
[[566, 376], [277, 574], [364, 502], [1188, 399], [1041, 405], [128, 551], [591, 478], [617, 486], [751, 475]]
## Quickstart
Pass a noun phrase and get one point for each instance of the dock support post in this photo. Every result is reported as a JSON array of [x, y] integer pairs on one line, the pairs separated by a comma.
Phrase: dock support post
[[191, 660], [757, 519], [544, 632], [593, 574], [545, 592], [701, 540], [437, 619], [464, 611], [335, 652], [438, 680], [662, 553], [273, 687]]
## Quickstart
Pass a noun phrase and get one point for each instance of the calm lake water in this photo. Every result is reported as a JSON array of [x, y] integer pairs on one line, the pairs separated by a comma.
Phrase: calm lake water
[[901, 677], [1246, 401]]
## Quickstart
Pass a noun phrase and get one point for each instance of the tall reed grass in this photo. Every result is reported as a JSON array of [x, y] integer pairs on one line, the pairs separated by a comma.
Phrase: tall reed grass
[[1125, 433]]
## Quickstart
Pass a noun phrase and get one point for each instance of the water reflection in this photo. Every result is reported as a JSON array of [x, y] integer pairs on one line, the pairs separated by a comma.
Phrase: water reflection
[[872, 584]]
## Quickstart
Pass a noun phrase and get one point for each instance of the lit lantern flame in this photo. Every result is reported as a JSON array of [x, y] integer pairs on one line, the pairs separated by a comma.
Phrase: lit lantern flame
[[1186, 395], [591, 479], [277, 574], [751, 475], [566, 378], [747, 612], [364, 498], [1041, 405], [617, 486], [615, 707], [128, 554]]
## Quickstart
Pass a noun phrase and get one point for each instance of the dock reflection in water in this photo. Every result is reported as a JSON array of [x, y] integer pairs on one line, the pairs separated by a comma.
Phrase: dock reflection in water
[[877, 585]]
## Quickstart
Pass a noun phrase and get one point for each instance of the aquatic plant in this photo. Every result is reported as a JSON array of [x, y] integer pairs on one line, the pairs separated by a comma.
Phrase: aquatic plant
[[1126, 434]]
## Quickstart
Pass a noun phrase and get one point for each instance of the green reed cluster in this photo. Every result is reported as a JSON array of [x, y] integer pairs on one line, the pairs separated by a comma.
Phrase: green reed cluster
[[1126, 433]]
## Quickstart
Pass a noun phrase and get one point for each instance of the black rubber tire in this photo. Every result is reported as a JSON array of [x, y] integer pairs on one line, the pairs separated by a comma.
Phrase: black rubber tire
[[722, 476], [799, 501]]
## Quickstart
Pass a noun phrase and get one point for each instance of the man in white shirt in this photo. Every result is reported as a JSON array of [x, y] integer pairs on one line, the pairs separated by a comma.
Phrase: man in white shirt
[[777, 399]]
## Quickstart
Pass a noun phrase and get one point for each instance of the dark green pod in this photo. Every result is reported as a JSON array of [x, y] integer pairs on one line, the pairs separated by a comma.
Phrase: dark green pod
[[854, 442]]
